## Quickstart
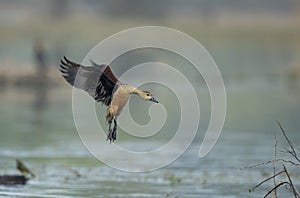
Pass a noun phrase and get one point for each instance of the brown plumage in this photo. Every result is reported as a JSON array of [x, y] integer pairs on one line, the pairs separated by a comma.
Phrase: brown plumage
[[100, 83]]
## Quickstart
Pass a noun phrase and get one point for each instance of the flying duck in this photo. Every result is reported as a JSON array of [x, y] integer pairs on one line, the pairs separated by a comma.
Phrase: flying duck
[[101, 84]]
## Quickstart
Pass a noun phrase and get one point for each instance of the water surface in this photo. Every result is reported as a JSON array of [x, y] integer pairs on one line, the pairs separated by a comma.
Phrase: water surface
[[42, 134]]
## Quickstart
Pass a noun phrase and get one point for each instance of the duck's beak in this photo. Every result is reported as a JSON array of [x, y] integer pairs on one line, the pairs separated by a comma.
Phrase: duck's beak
[[153, 100]]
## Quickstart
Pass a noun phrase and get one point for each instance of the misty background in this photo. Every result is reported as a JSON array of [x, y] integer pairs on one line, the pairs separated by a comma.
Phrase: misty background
[[256, 45]]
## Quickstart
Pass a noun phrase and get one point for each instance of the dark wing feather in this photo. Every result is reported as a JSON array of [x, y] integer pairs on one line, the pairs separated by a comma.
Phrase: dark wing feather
[[97, 80], [107, 71]]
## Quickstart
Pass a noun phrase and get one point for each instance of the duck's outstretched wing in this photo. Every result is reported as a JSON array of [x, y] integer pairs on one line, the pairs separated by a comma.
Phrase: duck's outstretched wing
[[97, 80]]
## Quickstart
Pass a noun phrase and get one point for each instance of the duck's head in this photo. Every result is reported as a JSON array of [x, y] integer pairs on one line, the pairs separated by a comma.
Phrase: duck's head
[[146, 95]]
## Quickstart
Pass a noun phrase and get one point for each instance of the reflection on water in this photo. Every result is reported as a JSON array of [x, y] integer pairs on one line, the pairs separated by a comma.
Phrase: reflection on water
[[39, 104]]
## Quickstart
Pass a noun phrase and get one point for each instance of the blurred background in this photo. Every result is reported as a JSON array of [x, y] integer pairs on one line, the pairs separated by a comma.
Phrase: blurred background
[[256, 45]]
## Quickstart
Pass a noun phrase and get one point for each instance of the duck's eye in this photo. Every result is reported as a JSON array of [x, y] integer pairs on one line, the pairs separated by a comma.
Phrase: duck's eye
[[148, 94]]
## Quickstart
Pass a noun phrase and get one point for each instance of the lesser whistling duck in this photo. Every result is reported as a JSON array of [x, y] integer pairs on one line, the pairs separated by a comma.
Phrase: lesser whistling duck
[[100, 83]]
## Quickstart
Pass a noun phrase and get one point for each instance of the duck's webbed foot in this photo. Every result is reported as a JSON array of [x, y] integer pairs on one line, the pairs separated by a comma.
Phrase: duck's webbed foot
[[112, 132]]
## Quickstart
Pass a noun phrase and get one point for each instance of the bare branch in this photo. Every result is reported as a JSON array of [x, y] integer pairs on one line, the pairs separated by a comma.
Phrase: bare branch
[[264, 181], [274, 164], [288, 183], [295, 192], [292, 151], [168, 194], [271, 161], [275, 187]]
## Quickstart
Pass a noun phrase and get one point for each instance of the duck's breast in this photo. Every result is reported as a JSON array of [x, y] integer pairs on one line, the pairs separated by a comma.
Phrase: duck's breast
[[119, 100]]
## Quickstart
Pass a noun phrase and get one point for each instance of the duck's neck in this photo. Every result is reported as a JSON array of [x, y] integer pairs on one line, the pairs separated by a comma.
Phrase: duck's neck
[[134, 90], [137, 92]]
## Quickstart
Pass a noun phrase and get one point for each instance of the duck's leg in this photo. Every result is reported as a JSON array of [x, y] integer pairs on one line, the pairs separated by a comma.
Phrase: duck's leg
[[110, 134], [114, 130]]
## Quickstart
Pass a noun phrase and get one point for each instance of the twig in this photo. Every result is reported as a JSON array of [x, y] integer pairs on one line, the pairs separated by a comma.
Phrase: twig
[[295, 192], [168, 194], [275, 187], [292, 152], [295, 162], [271, 161], [262, 182], [274, 164]]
